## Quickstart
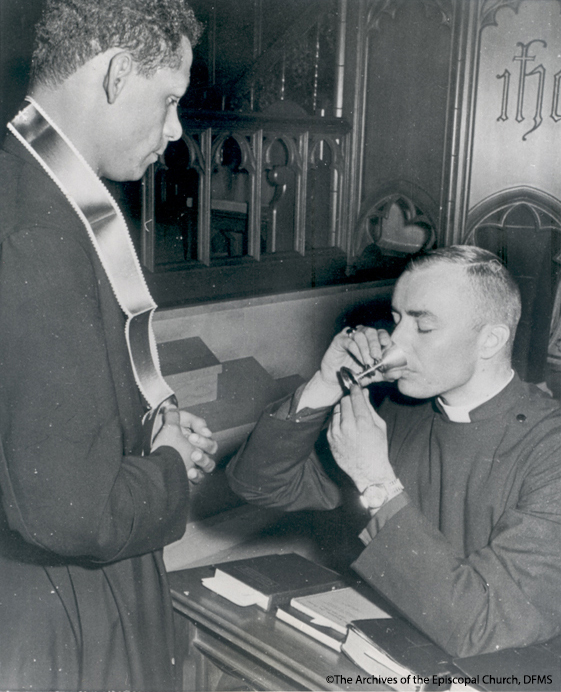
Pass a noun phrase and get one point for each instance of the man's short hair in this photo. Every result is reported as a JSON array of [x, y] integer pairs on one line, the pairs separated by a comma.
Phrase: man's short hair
[[496, 293], [72, 32]]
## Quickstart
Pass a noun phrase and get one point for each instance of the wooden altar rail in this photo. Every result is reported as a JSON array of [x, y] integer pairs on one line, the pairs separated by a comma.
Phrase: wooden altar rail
[[304, 140]]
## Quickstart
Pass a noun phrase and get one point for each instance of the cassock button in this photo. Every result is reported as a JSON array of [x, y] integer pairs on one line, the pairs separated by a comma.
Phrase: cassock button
[[520, 417]]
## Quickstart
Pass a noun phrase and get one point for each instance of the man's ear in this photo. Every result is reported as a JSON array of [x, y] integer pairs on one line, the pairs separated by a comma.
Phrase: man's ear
[[120, 67], [492, 339]]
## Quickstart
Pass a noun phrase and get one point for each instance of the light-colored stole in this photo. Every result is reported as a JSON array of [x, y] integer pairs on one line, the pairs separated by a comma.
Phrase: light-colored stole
[[109, 234]]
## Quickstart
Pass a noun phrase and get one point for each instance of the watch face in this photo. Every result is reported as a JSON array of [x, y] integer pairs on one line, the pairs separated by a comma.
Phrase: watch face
[[375, 495]]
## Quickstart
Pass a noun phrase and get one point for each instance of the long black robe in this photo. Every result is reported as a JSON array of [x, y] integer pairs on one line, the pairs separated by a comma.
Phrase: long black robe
[[474, 559], [84, 602]]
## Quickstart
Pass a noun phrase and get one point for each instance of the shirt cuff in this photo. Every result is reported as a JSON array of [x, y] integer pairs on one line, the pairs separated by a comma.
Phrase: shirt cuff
[[288, 409], [384, 514]]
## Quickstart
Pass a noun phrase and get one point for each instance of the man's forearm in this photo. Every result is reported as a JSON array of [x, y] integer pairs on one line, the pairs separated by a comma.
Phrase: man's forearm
[[277, 466]]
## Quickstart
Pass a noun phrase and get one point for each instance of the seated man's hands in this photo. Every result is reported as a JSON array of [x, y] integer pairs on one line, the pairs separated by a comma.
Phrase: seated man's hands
[[358, 440], [351, 348], [188, 435]]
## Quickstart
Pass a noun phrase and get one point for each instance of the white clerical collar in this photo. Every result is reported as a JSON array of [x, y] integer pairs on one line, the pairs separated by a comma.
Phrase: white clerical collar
[[460, 414]]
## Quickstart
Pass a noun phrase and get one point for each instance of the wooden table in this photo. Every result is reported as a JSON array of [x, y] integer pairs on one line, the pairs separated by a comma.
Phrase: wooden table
[[226, 647]]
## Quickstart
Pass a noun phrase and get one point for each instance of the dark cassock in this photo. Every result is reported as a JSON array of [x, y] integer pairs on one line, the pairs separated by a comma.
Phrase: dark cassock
[[471, 551], [84, 600]]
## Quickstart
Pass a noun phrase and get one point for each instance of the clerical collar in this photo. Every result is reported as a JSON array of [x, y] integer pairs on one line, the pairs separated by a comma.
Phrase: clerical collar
[[460, 414]]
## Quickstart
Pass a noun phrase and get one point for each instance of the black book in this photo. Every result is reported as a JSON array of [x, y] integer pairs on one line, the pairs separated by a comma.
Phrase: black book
[[393, 646], [271, 580]]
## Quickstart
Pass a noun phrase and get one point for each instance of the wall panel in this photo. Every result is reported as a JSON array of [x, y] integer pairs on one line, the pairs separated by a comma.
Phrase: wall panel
[[517, 135], [406, 97]]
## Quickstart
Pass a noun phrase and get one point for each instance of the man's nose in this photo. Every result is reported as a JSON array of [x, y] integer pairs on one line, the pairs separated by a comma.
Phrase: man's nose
[[172, 126], [399, 335]]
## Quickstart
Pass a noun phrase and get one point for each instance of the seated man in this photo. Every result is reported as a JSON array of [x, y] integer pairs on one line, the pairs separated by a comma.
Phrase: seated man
[[463, 487]]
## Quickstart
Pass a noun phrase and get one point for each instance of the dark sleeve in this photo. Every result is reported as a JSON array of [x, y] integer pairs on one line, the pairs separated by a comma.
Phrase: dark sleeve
[[507, 594], [68, 485], [277, 466]]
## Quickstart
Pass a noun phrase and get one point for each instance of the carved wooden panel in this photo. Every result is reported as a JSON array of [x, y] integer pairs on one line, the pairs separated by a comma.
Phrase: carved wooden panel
[[517, 129], [523, 227], [237, 192], [398, 222], [402, 55], [408, 66]]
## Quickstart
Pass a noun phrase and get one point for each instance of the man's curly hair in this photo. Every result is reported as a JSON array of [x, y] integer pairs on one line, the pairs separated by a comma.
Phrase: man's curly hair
[[71, 32]]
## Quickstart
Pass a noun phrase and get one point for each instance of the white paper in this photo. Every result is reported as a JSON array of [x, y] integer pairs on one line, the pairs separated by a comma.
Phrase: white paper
[[239, 596]]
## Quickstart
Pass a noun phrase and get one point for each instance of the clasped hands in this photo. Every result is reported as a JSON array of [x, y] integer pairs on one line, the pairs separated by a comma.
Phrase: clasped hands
[[357, 435], [189, 435]]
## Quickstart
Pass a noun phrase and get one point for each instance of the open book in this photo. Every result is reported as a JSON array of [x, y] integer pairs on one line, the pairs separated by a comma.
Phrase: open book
[[327, 615]]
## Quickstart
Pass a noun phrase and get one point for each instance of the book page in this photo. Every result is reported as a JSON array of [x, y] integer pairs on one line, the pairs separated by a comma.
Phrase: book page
[[234, 590], [311, 631], [338, 608]]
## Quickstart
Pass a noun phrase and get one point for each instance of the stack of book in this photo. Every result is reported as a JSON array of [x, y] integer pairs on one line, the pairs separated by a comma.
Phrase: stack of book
[[389, 648], [316, 601]]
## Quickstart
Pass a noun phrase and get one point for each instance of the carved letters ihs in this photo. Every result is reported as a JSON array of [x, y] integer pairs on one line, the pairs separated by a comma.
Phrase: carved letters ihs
[[538, 74]]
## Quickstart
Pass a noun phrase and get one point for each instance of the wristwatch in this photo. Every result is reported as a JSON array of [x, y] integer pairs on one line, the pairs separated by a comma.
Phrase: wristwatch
[[377, 494]]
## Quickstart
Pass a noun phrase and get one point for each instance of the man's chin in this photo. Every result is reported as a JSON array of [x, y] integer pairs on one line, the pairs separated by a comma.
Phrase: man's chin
[[410, 389], [126, 176], [123, 171], [138, 175]]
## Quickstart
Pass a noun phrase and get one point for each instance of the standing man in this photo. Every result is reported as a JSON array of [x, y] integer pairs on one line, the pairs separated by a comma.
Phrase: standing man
[[84, 600], [461, 477]]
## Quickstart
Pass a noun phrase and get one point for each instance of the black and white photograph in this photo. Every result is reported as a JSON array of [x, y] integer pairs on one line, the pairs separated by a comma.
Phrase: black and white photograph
[[280, 345]]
